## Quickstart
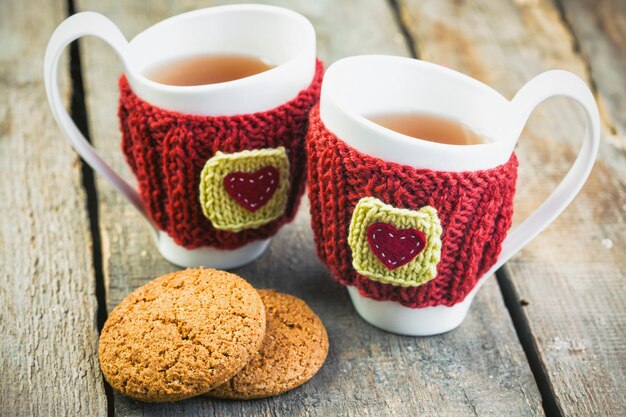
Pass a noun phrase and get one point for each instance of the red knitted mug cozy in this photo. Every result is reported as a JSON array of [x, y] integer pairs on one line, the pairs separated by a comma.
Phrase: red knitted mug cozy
[[167, 152], [417, 236]]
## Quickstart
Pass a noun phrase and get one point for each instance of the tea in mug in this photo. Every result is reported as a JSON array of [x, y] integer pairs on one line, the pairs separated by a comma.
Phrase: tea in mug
[[207, 69], [429, 127]]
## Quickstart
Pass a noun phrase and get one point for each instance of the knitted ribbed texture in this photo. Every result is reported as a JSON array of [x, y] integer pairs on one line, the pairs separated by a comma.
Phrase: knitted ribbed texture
[[245, 189], [474, 208], [167, 152]]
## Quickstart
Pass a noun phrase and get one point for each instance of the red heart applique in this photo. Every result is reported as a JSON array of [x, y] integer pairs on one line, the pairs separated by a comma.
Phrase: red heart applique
[[252, 190], [395, 247]]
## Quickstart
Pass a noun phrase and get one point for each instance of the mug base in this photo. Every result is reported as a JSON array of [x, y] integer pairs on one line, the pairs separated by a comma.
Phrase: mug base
[[395, 318], [207, 256]]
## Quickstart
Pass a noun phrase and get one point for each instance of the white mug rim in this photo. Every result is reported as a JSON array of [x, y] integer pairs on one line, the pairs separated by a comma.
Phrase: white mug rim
[[138, 76], [399, 138]]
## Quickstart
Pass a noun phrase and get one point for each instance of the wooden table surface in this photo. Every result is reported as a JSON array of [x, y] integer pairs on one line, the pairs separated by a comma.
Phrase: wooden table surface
[[547, 336]]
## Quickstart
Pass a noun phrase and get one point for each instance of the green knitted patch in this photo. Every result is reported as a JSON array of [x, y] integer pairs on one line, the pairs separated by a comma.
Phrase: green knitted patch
[[222, 209], [421, 269]]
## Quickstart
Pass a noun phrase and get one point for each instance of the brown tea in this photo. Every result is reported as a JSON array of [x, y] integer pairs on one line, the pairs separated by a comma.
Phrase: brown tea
[[207, 69], [429, 127]]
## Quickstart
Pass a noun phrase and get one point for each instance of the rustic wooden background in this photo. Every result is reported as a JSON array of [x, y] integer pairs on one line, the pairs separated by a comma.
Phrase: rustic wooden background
[[547, 337]]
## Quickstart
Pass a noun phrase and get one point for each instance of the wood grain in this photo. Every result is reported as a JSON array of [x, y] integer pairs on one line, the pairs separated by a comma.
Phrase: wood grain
[[599, 29], [572, 275], [48, 361], [479, 369]]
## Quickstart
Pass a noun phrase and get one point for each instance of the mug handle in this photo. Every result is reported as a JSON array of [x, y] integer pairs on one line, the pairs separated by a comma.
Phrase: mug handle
[[551, 84], [72, 28]]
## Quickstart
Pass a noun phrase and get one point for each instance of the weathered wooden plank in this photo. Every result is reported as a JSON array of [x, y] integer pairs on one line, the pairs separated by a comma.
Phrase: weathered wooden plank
[[478, 369], [47, 296], [571, 275], [599, 29]]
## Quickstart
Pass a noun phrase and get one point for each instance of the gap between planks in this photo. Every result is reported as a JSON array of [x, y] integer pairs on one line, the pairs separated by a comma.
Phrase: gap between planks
[[604, 115], [515, 307], [78, 111], [408, 39]]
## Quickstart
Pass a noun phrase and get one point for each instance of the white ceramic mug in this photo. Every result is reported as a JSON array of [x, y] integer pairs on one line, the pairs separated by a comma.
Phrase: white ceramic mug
[[282, 37], [370, 85]]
